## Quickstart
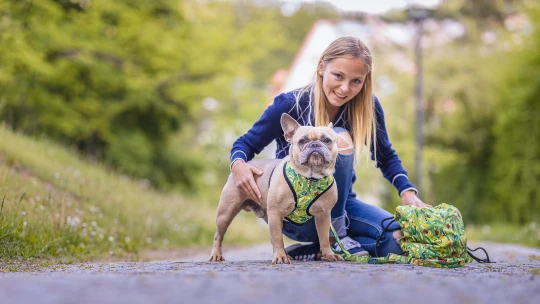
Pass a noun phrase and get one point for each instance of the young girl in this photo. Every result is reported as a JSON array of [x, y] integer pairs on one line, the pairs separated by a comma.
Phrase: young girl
[[342, 94]]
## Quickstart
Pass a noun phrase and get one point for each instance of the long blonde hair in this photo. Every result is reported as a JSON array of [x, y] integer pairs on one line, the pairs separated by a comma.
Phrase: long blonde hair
[[360, 110]]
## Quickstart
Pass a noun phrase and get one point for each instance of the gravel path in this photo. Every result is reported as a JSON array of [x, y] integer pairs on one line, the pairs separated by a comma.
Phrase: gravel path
[[248, 276]]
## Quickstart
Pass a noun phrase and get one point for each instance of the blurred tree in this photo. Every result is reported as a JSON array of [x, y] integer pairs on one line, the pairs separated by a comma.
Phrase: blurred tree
[[87, 72], [489, 145], [460, 112], [481, 147], [120, 79], [514, 174], [253, 40]]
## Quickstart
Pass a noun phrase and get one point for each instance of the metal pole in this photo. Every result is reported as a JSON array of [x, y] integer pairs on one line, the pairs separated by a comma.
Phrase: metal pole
[[419, 108]]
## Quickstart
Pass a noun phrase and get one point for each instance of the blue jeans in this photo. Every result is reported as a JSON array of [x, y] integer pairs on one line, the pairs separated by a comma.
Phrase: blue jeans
[[364, 220]]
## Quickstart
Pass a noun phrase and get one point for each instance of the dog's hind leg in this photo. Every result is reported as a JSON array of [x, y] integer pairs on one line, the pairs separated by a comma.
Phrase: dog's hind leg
[[228, 208]]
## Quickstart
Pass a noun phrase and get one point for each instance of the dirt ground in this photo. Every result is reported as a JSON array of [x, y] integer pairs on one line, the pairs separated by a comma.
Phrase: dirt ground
[[248, 276]]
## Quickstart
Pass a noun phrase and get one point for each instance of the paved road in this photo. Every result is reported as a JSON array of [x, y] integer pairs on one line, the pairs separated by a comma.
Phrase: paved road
[[248, 276]]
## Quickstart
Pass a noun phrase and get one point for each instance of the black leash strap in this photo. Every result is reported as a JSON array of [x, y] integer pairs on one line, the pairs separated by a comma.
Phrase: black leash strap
[[387, 228], [479, 260]]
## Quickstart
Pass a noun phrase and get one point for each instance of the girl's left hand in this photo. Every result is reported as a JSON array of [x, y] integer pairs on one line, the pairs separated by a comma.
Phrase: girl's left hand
[[410, 198]]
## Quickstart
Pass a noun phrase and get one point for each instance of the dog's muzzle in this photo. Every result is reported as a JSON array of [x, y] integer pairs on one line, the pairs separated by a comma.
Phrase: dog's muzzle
[[315, 147]]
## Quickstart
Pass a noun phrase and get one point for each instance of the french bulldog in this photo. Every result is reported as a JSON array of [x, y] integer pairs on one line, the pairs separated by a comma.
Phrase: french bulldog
[[313, 152]]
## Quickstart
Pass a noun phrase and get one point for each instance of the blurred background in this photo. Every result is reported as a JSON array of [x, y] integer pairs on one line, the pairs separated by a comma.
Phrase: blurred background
[[117, 117]]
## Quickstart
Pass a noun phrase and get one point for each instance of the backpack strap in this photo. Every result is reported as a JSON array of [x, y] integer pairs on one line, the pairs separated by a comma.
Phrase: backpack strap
[[479, 260], [387, 228]]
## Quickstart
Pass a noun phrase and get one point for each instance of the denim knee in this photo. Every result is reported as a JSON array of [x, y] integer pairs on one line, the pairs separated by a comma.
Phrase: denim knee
[[343, 177], [388, 244]]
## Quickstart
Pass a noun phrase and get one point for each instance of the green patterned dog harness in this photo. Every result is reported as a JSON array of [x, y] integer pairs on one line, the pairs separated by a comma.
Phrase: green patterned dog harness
[[306, 191]]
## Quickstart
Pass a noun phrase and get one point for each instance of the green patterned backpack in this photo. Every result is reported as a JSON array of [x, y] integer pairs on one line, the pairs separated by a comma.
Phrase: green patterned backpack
[[433, 237]]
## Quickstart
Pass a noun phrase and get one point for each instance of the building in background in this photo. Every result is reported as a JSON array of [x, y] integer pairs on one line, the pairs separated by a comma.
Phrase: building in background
[[373, 32]]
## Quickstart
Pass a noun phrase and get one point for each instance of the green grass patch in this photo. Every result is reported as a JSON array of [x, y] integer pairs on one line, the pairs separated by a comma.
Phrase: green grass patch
[[528, 235], [56, 204]]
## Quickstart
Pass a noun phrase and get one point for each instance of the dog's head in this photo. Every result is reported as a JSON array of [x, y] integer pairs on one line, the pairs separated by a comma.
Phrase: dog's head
[[313, 150]]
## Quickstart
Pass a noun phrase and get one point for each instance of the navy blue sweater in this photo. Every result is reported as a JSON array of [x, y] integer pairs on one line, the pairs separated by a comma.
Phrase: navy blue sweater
[[268, 128]]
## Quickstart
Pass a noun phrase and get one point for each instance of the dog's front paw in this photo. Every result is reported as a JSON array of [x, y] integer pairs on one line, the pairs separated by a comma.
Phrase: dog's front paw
[[331, 257], [281, 258], [216, 257]]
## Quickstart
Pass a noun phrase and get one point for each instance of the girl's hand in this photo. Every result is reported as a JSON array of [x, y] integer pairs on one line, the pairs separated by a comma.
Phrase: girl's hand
[[243, 176], [410, 198]]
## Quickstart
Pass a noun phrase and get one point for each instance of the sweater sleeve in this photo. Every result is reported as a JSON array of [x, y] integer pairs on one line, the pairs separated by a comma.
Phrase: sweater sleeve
[[263, 132], [387, 159]]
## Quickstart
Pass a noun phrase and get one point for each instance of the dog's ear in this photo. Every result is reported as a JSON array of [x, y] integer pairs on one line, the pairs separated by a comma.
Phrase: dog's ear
[[331, 125], [289, 126]]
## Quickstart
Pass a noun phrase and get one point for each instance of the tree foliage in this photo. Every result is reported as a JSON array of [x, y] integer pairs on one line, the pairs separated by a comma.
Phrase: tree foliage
[[89, 73], [481, 113], [122, 80], [160, 89], [514, 171], [493, 136]]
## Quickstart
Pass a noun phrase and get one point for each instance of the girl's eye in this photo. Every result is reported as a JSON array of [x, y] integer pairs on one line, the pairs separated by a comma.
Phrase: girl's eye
[[338, 76], [357, 81]]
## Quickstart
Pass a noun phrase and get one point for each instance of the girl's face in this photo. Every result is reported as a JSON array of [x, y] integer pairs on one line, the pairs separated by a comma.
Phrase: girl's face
[[343, 78]]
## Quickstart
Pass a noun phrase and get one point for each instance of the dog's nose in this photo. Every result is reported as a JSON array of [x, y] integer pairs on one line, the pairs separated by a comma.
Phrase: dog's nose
[[314, 144]]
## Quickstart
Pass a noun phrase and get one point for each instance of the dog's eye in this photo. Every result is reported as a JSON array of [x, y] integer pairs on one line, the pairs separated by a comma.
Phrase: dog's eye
[[327, 141], [302, 141]]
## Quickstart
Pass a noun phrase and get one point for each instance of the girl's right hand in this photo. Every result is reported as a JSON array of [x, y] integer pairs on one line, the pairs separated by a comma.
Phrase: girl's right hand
[[243, 176]]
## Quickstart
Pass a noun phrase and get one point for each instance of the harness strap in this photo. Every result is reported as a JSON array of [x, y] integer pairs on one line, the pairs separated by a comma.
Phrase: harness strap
[[269, 179]]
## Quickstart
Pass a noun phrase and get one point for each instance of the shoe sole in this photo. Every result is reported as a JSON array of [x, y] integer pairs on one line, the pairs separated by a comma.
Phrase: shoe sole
[[361, 253], [293, 247]]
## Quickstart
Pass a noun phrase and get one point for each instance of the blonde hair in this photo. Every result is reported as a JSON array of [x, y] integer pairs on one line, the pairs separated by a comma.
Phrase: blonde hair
[[360, 110]]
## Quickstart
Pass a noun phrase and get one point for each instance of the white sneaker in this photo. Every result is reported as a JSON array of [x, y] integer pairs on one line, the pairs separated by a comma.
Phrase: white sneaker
[[352, 246]]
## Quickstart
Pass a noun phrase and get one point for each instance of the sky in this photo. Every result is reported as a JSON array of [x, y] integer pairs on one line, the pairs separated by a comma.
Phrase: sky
[[371, 6]]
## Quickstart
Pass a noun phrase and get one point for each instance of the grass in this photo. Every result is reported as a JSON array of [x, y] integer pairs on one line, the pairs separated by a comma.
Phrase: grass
[[58, 206], [55, 204], [528, 235]]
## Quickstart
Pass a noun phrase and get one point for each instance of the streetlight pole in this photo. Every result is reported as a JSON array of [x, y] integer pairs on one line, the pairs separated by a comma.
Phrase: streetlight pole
[[418, 14], [419, 107]]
